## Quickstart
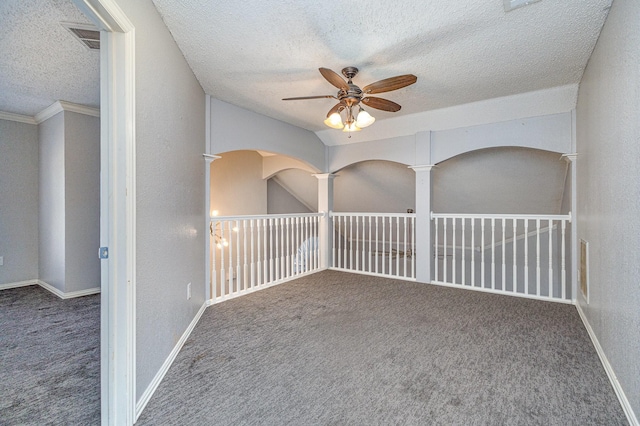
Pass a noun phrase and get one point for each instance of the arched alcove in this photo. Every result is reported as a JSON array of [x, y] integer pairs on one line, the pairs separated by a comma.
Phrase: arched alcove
[[501, 180], [243, 181], [374, 186]]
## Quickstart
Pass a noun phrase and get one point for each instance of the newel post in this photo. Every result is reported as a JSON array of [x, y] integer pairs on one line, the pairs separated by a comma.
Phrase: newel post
[[423, 244], [325, 205], [208, 159]]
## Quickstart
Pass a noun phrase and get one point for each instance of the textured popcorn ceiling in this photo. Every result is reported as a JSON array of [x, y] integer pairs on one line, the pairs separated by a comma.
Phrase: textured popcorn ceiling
[[40, 61], [252, 53]]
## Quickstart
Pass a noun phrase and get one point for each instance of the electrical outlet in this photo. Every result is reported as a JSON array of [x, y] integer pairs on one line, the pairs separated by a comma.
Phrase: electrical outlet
[[1, 260], [188, 291]]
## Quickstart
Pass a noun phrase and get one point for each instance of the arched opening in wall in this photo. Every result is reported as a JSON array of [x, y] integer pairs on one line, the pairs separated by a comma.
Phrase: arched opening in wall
[[507, 180], [378, 186], [248, 182]]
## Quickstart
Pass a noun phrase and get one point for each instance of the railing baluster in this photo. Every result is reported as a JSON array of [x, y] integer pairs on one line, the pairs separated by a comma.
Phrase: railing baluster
[[444, 251], [550, 260], [453, 244], [482, 257], [223, 271], [271, 263], [235, 235], [514, 266], [246, 266], [214, 254], [377, 245], [473, 252], [350, 242], [462, 244], [406, 248], [564, 276], [526, 256], [493, 253], [537, 257], [436, 261], [504, 249]]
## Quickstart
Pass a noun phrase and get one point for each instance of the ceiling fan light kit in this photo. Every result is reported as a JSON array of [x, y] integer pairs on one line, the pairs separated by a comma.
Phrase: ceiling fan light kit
[[349, 96]]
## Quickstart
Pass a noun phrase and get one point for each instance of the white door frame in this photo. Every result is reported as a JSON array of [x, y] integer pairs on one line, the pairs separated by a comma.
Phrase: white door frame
[[117, 209]]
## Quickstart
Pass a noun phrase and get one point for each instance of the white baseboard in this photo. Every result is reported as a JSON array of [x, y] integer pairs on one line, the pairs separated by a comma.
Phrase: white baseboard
[[70, 294], [18, 284], [626, 406], [146, 396]]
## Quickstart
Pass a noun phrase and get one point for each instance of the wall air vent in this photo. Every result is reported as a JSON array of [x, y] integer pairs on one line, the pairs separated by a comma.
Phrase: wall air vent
[[86, 34], [509, 5]]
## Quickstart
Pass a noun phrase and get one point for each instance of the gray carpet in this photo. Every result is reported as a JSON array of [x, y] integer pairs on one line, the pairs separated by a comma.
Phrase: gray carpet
[[49, 358], [342, 349]]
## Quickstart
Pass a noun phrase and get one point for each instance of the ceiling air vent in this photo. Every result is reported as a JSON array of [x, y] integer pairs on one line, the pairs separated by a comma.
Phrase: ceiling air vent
[[509, 5], [86, 34]]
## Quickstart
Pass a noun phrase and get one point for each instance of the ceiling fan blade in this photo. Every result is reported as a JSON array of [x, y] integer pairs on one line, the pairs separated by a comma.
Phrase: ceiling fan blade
[[334, 78], [389, 84], [383, 104], [309, 97], [336, 108]]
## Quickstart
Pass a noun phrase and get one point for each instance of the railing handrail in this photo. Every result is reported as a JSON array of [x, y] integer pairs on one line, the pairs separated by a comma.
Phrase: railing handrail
[[353, 214], [501, 216], [267, 216]]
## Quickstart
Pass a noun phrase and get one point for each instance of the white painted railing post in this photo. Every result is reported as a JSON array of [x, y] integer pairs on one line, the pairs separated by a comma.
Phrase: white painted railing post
[[325, 204], [423, 243]]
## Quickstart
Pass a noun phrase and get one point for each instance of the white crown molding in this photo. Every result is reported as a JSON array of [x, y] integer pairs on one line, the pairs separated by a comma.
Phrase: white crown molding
[[9, 116], [59, 106]]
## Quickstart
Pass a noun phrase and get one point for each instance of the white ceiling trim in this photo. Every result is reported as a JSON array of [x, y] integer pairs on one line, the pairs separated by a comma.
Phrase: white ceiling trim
[[60, 106], [9, 116]]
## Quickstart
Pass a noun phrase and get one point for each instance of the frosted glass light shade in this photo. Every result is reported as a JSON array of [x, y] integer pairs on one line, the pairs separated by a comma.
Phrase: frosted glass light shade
[[334, 121], [351, 127], [364, 119]]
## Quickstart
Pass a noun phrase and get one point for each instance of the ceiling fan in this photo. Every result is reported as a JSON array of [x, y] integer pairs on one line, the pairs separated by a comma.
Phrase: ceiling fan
[[350, 96]]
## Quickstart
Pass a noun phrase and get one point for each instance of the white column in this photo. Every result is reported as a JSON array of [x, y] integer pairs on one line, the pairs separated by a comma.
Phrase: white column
[[208, 159], [424, 246], [571, 159], [325, 205]]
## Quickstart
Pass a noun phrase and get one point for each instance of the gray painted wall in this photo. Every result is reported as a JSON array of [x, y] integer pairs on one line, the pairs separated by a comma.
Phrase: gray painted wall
[[234, 128], [608, 165], [500, 180], [82, 201], [170, 191], [52, 201], [237, 187], [280, 200], [19, 205], [374, 186]]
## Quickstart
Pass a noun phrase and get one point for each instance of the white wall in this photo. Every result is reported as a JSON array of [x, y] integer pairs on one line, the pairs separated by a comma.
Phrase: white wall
[[237, 187], [170, 173], [52, 201], [608, 167], [19, 205]]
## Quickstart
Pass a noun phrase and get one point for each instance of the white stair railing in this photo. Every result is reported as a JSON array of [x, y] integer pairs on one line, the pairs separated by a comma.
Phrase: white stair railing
[[250, 253], [380, 244], [524, 255]]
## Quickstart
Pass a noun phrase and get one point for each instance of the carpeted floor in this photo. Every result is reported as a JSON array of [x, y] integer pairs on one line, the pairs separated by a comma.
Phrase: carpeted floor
[[49, 358], [341, 349]]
